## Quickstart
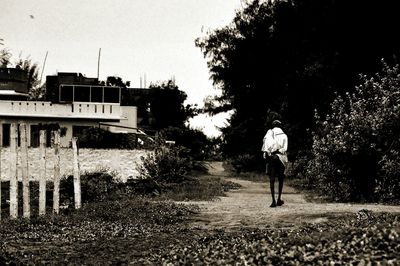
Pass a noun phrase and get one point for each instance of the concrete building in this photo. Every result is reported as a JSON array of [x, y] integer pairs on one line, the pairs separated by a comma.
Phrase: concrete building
[[74, 103]]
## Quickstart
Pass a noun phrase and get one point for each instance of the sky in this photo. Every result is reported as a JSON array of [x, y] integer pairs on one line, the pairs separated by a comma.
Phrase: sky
[[139, 40]]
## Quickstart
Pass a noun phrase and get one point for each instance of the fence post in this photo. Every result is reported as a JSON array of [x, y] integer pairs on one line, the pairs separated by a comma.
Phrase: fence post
[[13, 171], [56, 182], [1, 146], [25, 175], [42, 177], [77, 178]]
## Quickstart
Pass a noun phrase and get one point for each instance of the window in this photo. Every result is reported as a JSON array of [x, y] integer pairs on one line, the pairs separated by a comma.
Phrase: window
[[111, 94], [82, 94], [97, 94], [66, 93]]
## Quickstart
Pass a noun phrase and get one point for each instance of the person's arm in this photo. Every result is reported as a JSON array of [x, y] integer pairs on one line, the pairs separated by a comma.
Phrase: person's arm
[[284, 144], [267, 144]]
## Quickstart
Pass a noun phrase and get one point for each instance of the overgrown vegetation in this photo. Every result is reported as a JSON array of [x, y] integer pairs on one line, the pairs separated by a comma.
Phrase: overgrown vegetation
[[352, 240], [130, 229], [107, 233], [290, 57], [167, 164], [172, 171], [116, 224], [355, 154]]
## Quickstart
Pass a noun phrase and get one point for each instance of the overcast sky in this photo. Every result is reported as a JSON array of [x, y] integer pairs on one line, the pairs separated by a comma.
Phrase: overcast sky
[[137, 37]]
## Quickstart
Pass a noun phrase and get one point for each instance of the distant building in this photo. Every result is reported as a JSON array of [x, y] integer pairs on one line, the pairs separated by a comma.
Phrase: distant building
[[72, 101], [13, 84], [141, 98]]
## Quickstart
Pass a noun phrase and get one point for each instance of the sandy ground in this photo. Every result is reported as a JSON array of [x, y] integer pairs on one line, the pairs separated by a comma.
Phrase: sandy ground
[[249, 207]]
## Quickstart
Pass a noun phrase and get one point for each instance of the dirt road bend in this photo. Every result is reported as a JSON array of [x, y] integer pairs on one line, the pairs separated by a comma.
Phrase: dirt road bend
[[249, 207]]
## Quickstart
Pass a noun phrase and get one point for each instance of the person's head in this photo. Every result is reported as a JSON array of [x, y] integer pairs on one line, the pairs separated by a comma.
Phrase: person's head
[[276, 123]]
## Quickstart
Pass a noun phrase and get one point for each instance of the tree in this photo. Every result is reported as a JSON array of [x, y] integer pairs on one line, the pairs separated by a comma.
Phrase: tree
[[167, 105], [356, 148], [35, 90], [5, 55], [289, 58], [115, 81]]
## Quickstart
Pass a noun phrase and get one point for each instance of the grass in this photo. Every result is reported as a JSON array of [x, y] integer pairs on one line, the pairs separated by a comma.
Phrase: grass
[[354, 239], [122, 227], [202, 188], [121, 231], [131, 229]]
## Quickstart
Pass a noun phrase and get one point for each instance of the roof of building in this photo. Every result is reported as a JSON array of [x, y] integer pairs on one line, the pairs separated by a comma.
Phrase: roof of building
[[12, 92]]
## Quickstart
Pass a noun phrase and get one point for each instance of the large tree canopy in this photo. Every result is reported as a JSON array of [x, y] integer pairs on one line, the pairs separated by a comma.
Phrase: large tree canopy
[[288, 58], [166, 105]]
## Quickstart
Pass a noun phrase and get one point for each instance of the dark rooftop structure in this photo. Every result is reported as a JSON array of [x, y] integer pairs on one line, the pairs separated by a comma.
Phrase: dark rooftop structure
[[13, 84], [74, 87]]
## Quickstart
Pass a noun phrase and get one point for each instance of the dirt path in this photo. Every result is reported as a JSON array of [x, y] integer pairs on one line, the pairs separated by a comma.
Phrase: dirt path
[[249, 206]]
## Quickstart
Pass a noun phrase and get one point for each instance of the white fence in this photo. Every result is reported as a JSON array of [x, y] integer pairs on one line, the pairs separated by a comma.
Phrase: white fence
[[22, 167]]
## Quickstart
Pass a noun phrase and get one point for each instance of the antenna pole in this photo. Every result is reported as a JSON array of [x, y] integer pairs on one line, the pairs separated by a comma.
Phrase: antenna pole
[[98, 64], [44, 63]]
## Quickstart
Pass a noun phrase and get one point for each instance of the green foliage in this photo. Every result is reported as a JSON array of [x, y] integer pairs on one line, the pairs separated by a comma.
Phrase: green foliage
[[289, 57], [113, 232], [5, 56], [95, 137], [195, 141], [32, 70], [356, 148], [204, 188], [166, 106], [247, 163], [95, 187], [358, 239], [166, 164]]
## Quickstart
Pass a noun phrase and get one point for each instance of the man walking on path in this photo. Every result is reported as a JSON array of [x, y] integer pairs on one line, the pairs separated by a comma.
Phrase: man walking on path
[[274, 151]]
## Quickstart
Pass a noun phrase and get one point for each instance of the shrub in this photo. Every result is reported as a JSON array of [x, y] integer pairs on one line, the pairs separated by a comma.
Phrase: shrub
[[198, 146], [95, 187], [356, 147], [247, 163], [166, 164]]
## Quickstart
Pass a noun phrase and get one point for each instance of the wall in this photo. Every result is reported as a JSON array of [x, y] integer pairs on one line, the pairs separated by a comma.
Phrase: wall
[[122, 162], [76, 110], [126, 125], [65, 141]]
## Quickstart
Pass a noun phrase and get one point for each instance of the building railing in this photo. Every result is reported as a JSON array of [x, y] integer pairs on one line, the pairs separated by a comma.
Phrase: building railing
[[68, 110]]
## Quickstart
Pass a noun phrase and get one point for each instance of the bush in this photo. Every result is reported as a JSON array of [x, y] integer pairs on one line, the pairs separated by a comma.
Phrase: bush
[[355, 153], [95, 187], [167, 164], [199, 147], [248, 163]]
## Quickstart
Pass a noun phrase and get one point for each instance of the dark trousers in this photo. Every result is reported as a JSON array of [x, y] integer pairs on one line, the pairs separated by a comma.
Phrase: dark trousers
[[275, 169]]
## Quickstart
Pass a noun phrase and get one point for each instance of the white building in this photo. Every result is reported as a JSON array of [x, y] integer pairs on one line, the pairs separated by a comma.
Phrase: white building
[[78, 107]]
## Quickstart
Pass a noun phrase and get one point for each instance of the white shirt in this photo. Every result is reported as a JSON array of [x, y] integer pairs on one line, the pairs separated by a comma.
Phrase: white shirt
[[276, 140]]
